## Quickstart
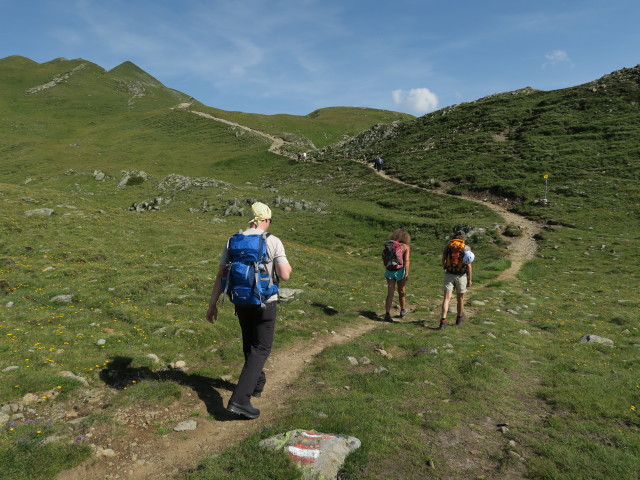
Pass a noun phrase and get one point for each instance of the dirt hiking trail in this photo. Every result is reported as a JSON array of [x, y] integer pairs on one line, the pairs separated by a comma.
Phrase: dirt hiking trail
[[133, 451], [520, 250]]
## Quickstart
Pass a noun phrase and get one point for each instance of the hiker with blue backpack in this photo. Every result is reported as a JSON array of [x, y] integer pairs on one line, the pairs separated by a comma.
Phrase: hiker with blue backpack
[[396, 257], [251, 264]]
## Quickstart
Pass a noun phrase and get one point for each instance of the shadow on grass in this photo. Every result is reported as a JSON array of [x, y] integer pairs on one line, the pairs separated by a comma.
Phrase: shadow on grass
[[119, 374], [325, 308], [373, 316]]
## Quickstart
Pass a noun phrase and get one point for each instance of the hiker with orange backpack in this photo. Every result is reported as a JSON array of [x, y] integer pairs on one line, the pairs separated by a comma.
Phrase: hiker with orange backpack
[[396, 257], [456, 260]]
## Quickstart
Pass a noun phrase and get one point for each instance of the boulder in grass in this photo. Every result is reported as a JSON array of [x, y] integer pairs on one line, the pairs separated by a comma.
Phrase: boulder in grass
[[318, 455], [41, 212], [595, 339], [62, 299]]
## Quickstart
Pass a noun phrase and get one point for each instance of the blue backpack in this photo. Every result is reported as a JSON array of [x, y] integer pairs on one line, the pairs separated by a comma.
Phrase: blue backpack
[[247, 280]]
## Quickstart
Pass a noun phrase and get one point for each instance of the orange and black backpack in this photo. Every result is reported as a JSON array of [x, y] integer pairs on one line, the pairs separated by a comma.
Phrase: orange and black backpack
[[453, 256]]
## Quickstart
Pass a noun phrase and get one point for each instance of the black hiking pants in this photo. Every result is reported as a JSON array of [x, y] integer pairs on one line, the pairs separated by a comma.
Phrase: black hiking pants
[[257, 325]]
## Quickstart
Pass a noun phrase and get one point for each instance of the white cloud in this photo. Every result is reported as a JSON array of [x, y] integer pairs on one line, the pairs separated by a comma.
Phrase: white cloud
[[418, 100], [557, 57]]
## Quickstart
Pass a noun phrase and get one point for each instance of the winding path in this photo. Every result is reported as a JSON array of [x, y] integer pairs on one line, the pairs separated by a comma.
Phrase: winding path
[[520, 250], [166, 456]]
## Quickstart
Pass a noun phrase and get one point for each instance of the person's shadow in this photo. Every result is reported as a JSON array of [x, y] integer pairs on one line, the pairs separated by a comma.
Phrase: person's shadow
[[119, 374]]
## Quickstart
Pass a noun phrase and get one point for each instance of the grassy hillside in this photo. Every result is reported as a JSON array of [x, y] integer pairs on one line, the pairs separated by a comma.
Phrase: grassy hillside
[[70, 112], [584, 137], [511, 394], [317, 129]]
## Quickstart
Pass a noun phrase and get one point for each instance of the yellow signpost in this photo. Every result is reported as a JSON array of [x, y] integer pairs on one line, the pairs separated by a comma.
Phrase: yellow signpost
[[545, 175]]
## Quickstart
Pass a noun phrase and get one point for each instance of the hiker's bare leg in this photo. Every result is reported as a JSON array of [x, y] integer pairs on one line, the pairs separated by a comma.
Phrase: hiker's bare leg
[[402, 294], [445, 302], [391, 289], [460, 303]]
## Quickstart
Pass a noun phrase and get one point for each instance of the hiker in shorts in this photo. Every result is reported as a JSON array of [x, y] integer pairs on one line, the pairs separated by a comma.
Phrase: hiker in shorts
[[398, 277], [456, 277], [256, 322]]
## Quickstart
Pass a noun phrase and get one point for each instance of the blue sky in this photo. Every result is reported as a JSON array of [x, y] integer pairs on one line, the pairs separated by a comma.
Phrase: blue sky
[[294, 56]]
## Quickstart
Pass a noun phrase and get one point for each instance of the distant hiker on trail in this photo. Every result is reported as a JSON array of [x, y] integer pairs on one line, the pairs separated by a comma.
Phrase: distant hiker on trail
[[304, 156], [250, 265], [396, 257], [299, 156], [377, 163], [456, 260]]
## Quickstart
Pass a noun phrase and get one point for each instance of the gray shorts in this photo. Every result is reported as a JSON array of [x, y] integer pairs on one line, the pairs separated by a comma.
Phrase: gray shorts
[[457, 282]]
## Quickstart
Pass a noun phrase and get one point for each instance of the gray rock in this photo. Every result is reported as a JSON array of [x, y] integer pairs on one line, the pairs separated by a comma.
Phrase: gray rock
[[154, 358], [101, 342], [11, 368], [73, 376], [186, 426], [132, 177], [353, 360], [595, 339], [379, 370], [288, 293], [98, 176], [62, 299], [4, 419], [364, 361], [317, 455], [42, 212]]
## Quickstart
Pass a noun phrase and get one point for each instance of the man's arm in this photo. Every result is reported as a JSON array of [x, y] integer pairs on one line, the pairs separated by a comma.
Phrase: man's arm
[[283, 270], [469, 275], [212, 312]]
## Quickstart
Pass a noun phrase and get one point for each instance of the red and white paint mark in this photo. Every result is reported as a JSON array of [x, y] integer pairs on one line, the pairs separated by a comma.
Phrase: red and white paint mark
[[307, 450]]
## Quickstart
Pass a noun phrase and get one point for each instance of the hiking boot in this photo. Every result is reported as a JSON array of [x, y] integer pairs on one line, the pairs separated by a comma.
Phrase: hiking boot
[[404, 313], [243, 410], [257, 393], [443, 323], [387, 317], [460, 319]]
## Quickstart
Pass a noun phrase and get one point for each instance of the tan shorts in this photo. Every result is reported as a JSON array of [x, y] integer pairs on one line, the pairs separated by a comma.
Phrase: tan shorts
[[459, 282]]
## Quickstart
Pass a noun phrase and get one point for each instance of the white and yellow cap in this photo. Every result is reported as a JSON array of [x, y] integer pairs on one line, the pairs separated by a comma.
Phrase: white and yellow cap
[[260, 212]]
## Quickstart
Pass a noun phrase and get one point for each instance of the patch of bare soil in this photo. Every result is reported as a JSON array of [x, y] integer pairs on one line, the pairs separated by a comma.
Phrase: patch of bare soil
[[135, 452]]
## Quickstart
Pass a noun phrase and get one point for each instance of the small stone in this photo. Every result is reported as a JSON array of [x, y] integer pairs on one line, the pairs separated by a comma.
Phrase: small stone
[[186, 426], [62, 299], [105, 452], [101, 342], [595, 339], [30, 399], [353, 360]]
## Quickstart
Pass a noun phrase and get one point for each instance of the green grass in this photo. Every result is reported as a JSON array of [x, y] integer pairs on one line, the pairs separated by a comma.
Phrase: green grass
[[141, 281]]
